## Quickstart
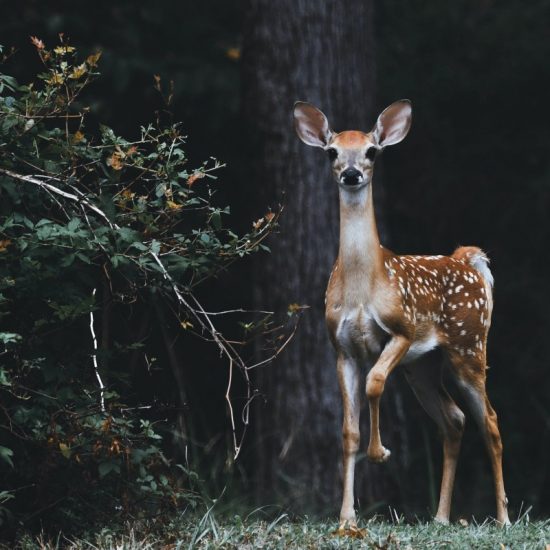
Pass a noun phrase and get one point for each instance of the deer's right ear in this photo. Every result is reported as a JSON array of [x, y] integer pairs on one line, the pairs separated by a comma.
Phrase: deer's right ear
[[311, 125]]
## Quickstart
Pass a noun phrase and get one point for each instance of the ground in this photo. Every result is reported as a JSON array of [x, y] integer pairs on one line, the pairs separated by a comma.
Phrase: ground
[[250, 533]]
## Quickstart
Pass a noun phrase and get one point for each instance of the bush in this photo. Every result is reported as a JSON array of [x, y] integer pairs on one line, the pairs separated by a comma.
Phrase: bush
[[92, 223]]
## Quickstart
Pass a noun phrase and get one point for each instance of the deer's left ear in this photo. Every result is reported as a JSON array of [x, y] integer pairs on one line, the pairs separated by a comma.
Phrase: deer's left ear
[[393, 124], [311, 125]]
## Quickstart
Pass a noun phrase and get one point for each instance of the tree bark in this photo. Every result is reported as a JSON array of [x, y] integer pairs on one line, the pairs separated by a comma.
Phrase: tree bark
[[321, 52]]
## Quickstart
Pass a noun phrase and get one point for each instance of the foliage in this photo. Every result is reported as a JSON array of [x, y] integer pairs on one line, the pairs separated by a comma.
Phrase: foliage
[[257, 531], [92, 227]]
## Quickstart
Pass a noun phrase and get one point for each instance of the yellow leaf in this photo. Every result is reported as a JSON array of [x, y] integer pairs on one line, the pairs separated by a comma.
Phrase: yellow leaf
[[38, 44], [65, 450], [294, 308], [62, 50], [115, 446], [56, 79], [115, 161], [157, 81], [107, 423], [173, 205], [258, 223], [127, 194], [4, 245], [93, 59], [79, 71], [194, 177], [78, 136], [233, 53]]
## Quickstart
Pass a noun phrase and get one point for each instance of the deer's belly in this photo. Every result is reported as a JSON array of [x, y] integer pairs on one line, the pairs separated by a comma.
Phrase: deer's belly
[[360, 333], [422, 345]]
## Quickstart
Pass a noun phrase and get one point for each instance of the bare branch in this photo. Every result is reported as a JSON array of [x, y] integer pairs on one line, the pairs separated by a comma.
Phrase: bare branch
[[56, 190], [94, 359]]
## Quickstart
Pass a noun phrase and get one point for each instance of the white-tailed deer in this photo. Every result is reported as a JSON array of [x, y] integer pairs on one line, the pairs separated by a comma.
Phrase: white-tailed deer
[[383, 309]]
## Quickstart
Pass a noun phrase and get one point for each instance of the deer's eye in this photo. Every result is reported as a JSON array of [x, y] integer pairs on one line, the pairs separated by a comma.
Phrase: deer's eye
[[332, 154], [371, 153]]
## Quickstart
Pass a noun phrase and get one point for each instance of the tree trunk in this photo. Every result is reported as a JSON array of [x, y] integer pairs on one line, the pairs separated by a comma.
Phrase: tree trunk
[[321, 52]]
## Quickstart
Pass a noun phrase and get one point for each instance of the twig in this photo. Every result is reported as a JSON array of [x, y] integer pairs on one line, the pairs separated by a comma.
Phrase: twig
[[238, 311], [94, 359], [278, 352], [230, 406], [53, 189], [225, 348]]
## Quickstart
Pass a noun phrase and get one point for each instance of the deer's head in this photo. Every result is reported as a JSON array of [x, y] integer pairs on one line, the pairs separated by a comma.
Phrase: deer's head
[[352, 153]]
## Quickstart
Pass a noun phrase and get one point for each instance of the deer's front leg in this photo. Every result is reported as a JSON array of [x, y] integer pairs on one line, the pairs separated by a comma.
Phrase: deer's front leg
[[348, 376], [394, 351]]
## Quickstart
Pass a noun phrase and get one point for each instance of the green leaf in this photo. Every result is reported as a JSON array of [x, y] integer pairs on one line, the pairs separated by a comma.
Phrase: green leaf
[[73, 225], [217, 219], [105, 468], [140, 246], [4, 377], [6, 454], [155, 247], [127, 236], [9, 338]]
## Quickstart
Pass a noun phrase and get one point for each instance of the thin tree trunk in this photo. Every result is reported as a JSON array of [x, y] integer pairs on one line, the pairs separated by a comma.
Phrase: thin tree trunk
[[321, 52]]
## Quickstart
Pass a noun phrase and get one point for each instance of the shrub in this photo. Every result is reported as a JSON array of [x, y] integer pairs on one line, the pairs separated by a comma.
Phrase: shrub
[[89, 221]]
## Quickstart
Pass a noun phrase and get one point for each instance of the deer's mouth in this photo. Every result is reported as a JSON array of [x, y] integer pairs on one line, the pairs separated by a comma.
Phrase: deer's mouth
[[353, 184]]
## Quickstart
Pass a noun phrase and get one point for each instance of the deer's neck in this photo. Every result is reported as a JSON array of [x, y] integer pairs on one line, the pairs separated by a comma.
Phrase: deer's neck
[[360, 257]]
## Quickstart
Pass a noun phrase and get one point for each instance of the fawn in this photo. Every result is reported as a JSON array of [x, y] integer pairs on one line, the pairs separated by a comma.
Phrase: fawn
[[383, 309]]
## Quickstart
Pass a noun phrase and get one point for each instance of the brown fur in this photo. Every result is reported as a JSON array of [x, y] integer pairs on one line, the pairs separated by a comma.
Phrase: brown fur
[[351, 139]]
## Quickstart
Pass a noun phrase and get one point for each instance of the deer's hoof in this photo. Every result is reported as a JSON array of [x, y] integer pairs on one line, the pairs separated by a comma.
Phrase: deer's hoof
[[378, 456], [348, 528], [442, 520]]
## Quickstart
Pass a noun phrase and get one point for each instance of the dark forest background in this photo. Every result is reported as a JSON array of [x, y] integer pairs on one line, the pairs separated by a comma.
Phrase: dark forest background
[[474, 170]]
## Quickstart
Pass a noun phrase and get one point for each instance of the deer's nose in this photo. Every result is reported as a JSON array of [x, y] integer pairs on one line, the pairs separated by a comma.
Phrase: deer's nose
[[351, 176]]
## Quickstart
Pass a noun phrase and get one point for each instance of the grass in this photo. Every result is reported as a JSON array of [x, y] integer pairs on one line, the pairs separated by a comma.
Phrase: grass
[[250, 533]]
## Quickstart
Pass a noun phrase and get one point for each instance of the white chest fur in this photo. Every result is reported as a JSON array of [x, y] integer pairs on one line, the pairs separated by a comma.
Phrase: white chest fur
[[358, 332]]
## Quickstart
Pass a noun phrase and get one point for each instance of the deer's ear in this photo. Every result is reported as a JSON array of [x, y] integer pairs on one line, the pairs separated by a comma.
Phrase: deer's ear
[[311, 125], [393, 124]]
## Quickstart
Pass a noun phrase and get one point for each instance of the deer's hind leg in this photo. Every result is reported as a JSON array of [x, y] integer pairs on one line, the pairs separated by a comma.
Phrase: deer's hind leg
[[427, 384], [470, 374]]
